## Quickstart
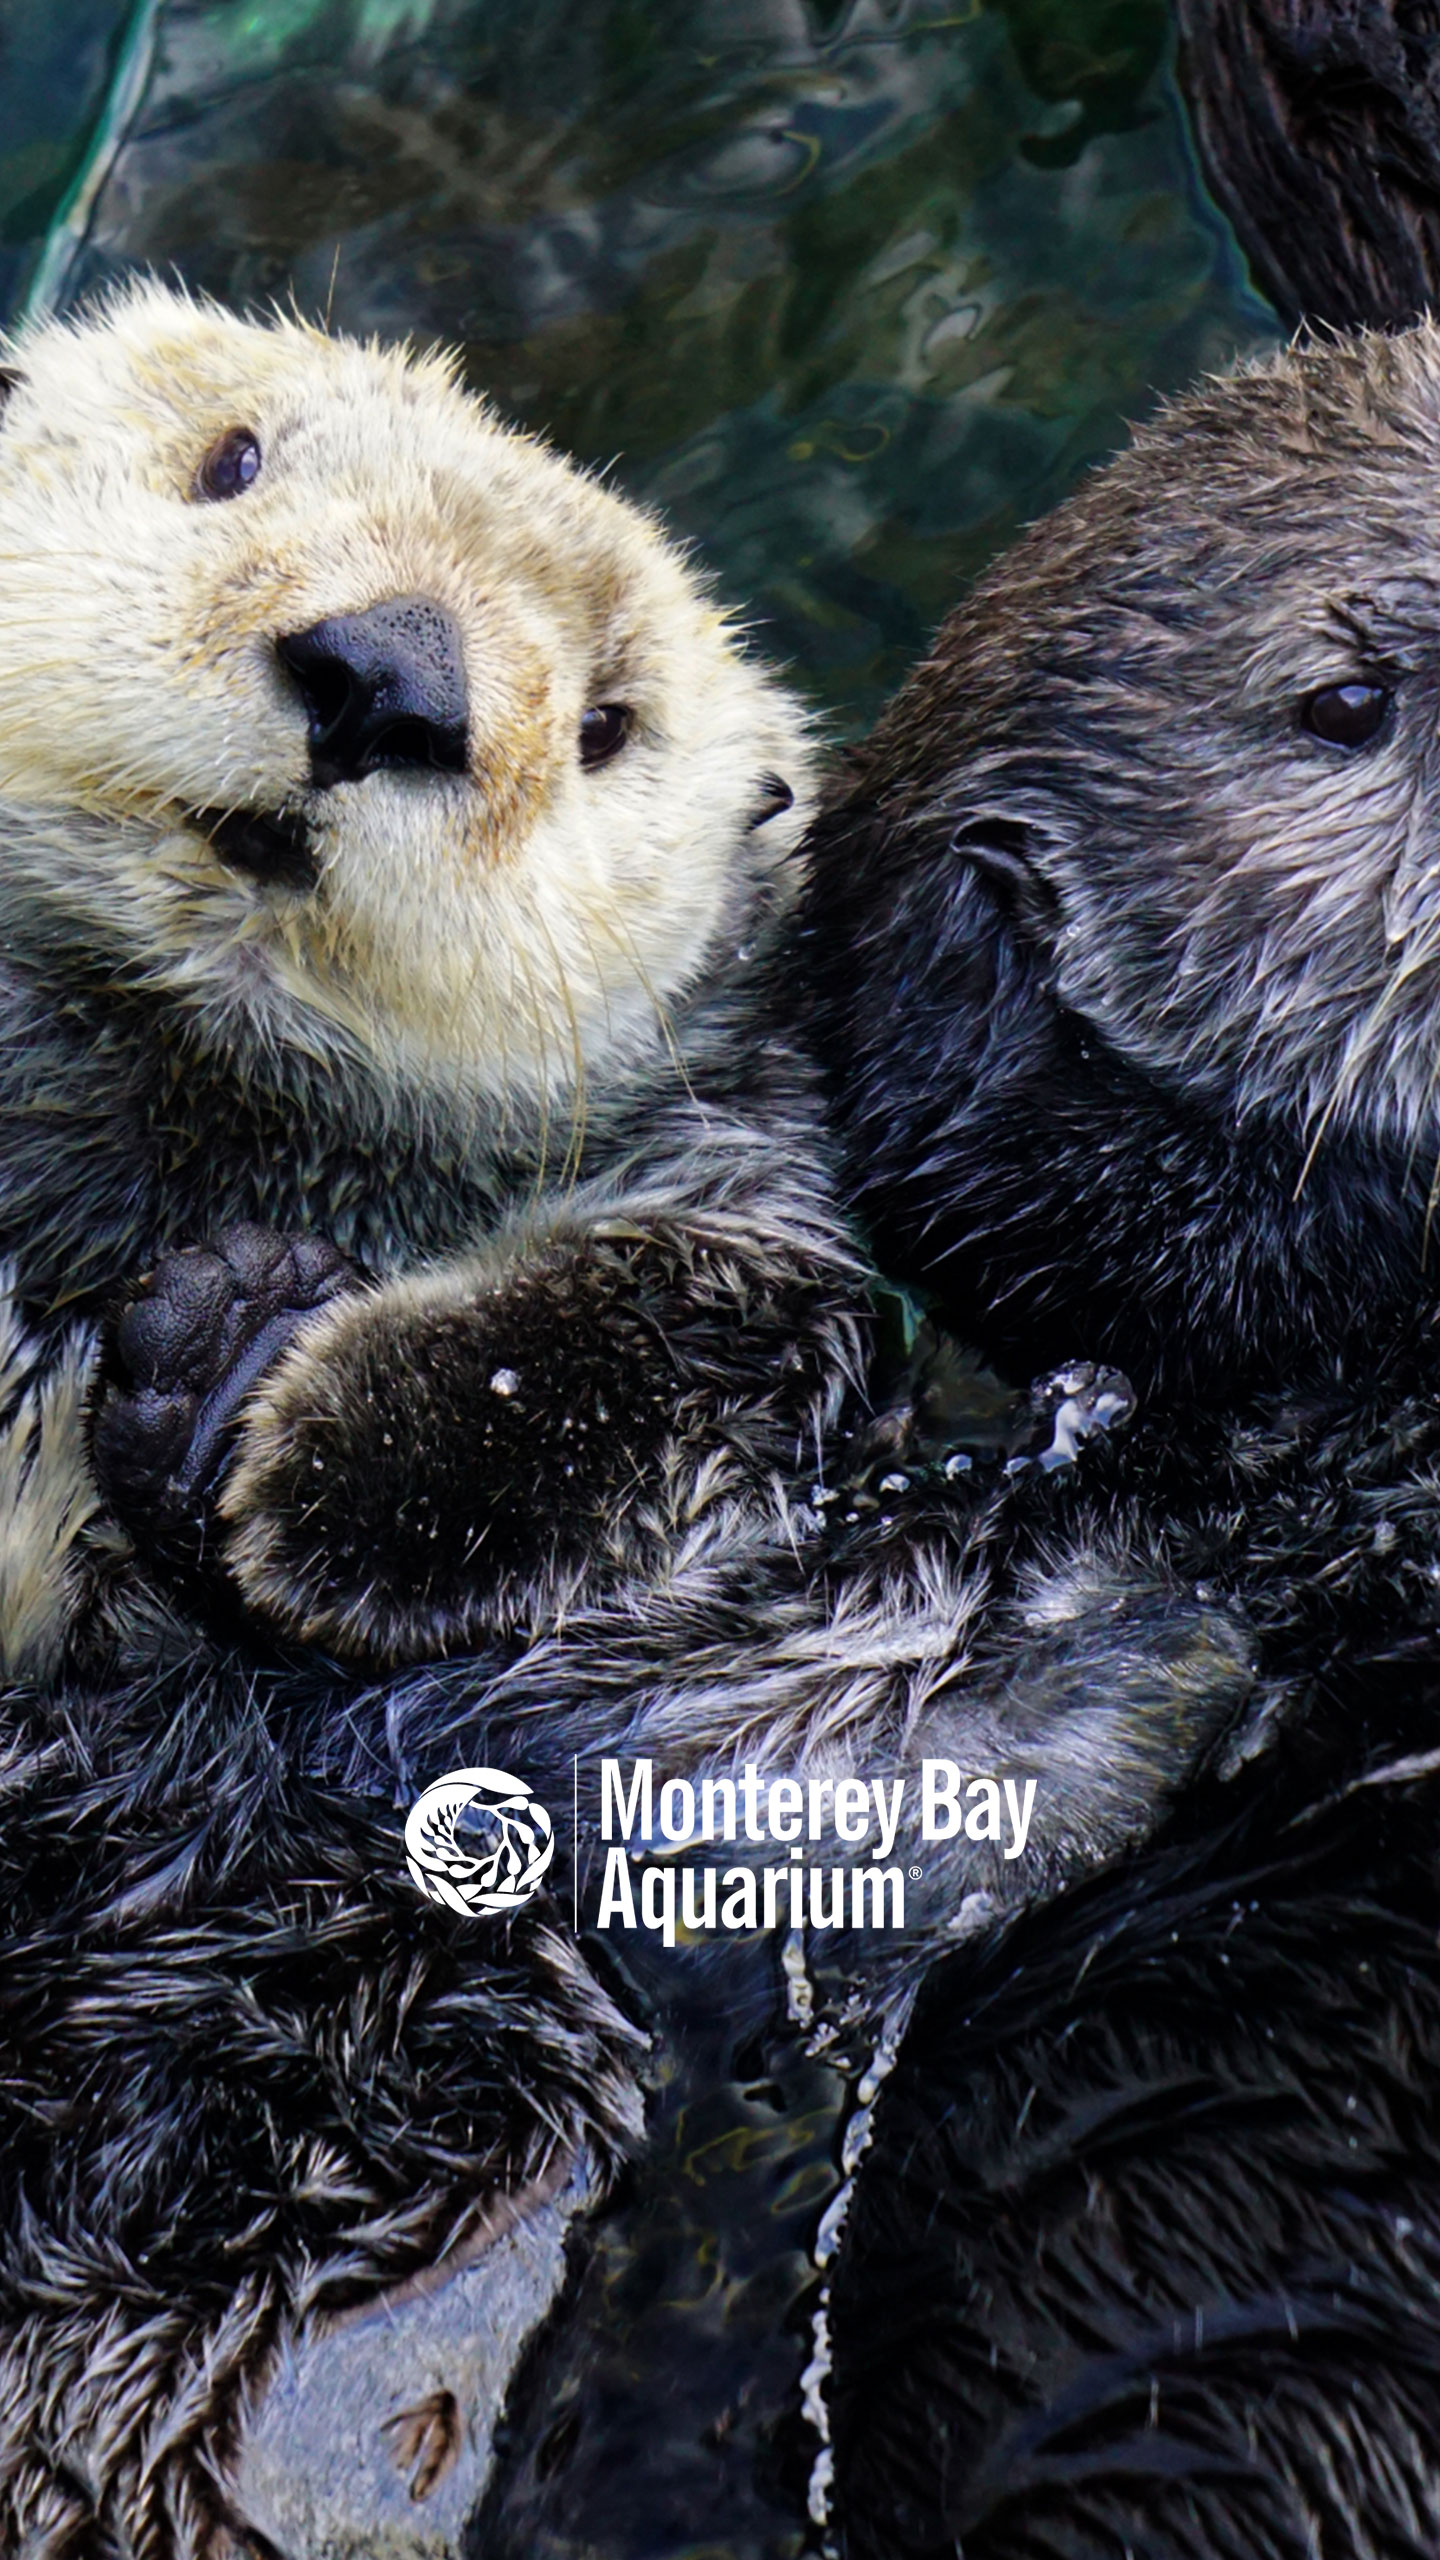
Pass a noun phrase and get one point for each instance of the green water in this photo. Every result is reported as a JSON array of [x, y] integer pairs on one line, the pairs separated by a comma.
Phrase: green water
[[848, 289], [57, 68]]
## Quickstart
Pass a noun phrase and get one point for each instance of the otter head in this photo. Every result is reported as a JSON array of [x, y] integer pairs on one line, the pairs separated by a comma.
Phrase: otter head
[[342, 716], [1126, 927]]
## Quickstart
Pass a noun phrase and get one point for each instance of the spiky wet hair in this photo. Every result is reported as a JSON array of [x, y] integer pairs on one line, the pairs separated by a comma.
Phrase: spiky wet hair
[[1125, 930]]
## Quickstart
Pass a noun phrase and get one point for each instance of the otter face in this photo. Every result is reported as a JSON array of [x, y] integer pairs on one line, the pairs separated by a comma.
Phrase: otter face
[[326, 699], [1193, 721]]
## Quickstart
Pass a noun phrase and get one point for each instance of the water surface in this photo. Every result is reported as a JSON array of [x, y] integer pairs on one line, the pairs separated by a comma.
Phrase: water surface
[[849, 290]]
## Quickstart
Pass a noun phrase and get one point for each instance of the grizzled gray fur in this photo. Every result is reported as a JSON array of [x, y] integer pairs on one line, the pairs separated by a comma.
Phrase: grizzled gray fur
[[1124, 957], [394, 845]]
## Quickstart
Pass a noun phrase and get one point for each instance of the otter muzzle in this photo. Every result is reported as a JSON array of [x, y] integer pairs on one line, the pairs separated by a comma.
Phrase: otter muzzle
[[381, 689]]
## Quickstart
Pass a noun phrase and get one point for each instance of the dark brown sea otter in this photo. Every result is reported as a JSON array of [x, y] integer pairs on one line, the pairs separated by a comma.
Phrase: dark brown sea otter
[[1124, 952], [1125, 930]]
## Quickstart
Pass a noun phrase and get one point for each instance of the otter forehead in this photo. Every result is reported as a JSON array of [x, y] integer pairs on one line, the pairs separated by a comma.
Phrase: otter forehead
[[130, 400], [365, 708], [1199, 709], [1254, 525]]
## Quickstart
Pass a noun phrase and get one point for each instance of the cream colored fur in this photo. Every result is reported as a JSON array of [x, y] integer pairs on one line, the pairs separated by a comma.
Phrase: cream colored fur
[[516, 926]]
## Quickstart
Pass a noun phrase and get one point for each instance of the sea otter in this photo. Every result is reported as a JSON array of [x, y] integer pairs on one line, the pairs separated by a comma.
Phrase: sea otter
[[392, 860], [394, 841], [391, 900], [389, 826], [1124, 958]]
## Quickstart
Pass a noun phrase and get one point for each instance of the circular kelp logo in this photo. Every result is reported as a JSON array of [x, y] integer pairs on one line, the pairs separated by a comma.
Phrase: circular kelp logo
[[479, 1841]]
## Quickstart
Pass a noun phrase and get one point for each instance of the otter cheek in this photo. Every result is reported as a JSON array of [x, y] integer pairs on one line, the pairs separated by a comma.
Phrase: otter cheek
[[166, 720], [60, 679]]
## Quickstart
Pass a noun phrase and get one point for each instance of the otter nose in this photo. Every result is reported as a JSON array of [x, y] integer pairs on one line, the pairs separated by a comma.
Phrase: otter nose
[[385, 687]]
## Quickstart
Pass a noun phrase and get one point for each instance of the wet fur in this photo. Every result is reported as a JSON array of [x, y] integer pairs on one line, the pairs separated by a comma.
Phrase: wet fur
[[515, 1050], [1141, 2257], [248, 2078]]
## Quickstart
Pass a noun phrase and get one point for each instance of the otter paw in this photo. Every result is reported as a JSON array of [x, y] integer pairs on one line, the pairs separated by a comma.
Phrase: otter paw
[[179, 1358]]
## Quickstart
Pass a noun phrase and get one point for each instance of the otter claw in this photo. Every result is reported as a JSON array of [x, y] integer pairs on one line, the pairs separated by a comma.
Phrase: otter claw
[[181, 1355]]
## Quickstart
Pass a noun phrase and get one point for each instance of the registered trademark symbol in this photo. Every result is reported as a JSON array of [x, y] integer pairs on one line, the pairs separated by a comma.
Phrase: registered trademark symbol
[[915, 1874]]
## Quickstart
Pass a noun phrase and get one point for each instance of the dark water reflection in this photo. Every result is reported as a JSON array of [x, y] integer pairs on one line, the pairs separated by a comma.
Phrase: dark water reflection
[[848, 289], [659, 2417], [56, 66]]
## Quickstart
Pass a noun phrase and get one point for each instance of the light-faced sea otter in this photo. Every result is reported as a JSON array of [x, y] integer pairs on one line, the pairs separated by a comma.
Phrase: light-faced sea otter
[[393, 846], [393, 830]]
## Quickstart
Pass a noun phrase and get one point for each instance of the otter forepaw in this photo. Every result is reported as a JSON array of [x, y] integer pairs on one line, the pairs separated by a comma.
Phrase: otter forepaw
[[449, 1457], [179, 1358]]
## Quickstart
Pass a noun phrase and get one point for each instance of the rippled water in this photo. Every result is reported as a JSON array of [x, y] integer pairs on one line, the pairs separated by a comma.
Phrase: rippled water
[[850, 290]]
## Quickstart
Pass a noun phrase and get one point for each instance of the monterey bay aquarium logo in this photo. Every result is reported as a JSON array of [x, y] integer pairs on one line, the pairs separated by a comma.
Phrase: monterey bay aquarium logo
[[805, 1852], [479, 1841]]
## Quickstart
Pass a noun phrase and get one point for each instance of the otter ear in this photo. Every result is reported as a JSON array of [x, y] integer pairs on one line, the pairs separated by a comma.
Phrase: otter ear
[[773, 796], [1009, 853]]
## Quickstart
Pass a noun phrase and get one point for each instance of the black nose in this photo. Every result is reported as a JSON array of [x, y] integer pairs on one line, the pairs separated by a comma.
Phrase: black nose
[[385, 687]]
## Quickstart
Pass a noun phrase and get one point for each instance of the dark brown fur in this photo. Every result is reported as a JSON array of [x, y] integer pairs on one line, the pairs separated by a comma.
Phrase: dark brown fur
[[1128, 979]]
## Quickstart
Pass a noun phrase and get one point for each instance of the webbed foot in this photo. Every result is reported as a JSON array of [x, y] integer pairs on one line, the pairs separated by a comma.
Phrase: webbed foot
[[180, 1357]]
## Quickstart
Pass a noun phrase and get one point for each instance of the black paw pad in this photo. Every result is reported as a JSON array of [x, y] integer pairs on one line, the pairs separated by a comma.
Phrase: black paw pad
[[192, 1339]]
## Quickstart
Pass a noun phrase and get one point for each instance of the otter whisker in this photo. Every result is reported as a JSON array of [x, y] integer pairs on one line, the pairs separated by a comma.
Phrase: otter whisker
[[1364, 1040]]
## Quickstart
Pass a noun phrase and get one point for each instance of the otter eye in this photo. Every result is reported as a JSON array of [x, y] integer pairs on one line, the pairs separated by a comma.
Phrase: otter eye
[[604, 729], [231, 465], [1346, 715], [10, 381]]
